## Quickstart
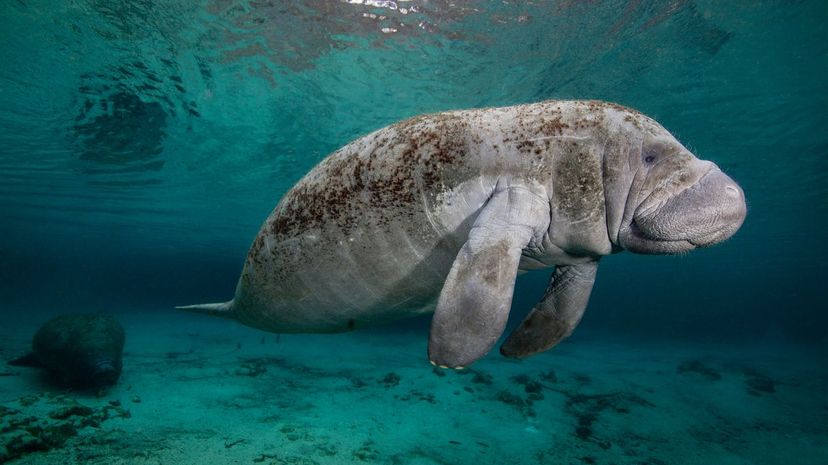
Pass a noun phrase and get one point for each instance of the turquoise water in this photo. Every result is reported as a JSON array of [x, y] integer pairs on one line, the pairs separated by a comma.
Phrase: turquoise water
[[143, 143]]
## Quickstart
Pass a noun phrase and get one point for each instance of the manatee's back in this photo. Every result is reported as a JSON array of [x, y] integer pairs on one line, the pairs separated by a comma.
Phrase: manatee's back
[[363, 237]]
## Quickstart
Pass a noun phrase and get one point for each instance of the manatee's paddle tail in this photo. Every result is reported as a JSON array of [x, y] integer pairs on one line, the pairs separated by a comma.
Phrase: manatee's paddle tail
[[220, 309], [28, 360]]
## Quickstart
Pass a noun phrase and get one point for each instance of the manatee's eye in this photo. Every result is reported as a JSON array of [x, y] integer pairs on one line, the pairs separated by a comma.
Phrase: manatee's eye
[[651, 153]]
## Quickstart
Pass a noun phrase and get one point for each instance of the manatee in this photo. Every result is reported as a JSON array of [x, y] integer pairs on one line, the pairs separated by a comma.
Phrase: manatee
[[78, 350], [440, 213]]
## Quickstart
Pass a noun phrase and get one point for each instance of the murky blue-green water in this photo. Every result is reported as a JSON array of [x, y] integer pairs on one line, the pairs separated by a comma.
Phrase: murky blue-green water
[[142, 144]]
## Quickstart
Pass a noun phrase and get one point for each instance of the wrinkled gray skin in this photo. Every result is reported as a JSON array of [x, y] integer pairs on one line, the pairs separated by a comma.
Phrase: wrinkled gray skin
[[446, 209], [82, 350]]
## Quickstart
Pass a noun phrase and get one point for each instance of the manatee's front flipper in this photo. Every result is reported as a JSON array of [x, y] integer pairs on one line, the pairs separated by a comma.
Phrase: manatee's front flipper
[[474, 304], [557, 314], [28, 360]]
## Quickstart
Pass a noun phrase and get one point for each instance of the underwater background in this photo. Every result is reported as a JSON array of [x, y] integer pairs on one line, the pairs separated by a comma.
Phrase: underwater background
[[143, 143]]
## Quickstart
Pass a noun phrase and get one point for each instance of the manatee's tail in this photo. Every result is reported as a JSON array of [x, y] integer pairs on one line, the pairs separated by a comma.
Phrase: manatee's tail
[[28, 360], [220, 309]]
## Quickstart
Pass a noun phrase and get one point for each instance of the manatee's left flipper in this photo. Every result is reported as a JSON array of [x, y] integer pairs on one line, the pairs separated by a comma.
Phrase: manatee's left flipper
[[557, 314], [28, 360], [474, 304]]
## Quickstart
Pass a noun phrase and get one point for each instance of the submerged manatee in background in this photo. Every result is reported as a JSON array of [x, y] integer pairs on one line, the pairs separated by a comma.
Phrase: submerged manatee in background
[[78, 350], [440, 212]]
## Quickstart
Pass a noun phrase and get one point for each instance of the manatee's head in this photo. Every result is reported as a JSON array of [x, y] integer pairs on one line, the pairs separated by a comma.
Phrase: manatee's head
[[84, 370], [677, 202], [87, 370]]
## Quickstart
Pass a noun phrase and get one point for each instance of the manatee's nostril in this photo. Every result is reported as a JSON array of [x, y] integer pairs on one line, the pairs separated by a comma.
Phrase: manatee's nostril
[[732, 191]]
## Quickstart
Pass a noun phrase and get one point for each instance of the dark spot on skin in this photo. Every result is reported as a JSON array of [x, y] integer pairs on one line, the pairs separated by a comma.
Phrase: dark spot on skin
[[596, 105], [388, 174], [553, 125], [579, 177]]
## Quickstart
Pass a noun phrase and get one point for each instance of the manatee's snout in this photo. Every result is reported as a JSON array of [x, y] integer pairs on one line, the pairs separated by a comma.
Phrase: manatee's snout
[[720, 209], [705, 213], [104, 373]]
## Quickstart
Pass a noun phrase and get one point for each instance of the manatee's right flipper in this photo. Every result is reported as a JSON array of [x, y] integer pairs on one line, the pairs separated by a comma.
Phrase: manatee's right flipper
[[28, 360], [557, 314], [474, 304]]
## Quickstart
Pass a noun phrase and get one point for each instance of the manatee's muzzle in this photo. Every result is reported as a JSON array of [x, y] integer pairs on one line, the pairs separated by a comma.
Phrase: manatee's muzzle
[[708, 212], [705, 213], [730, 211], [105, 372]]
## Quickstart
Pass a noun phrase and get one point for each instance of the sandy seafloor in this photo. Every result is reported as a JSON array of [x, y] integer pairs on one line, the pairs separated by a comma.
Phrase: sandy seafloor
[[201, 390]]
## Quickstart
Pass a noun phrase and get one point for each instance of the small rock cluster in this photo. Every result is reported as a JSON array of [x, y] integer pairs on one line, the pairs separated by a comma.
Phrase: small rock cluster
[[49, 422], [756, 382]]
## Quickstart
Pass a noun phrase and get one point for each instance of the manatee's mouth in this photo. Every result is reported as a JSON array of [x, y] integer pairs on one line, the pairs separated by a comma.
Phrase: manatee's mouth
[[635, 239], [706, 240], [697, 240]]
